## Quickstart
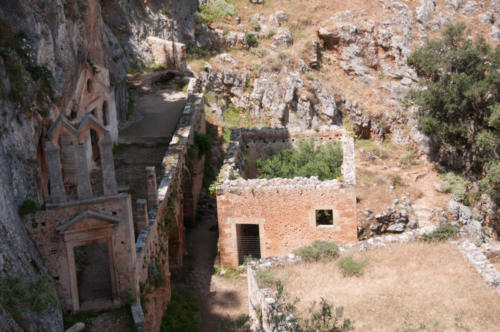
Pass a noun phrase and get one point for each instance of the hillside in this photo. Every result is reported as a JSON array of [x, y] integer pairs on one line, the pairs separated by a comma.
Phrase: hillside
[[306, 68]]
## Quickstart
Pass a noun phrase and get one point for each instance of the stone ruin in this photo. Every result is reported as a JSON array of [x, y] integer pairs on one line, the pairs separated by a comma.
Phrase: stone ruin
[[86, 234], [270, 217]]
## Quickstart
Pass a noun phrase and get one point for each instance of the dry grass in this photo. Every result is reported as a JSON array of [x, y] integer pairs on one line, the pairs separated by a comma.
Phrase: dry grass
[[428, 283]]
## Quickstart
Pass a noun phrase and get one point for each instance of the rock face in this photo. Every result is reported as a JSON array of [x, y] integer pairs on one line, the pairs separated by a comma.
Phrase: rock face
[[465, 218], [46, 46], [394, 219], [278, 99]]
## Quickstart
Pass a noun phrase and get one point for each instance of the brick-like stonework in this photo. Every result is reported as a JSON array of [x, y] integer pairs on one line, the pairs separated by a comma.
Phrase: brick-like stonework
[[83, 217], [284, 209], [162, 242]]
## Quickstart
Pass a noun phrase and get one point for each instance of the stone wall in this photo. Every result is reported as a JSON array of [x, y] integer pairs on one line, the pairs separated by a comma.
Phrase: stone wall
[[61, 227], [163, 243], [284, 209]]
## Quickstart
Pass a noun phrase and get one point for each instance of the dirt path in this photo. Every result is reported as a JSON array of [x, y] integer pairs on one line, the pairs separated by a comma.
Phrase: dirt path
[[218, 296], [158, 104]]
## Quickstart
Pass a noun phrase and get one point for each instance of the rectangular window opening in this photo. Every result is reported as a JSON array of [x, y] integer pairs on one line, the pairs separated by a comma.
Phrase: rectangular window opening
[[324, 217]]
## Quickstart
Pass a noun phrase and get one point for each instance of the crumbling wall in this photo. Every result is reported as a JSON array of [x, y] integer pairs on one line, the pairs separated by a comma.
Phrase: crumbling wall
[[284, 209], [166, 224], [54, 244]]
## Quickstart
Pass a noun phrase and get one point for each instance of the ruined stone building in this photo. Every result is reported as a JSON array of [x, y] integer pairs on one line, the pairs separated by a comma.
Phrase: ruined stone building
[[86, 231], [269, 217], [97, 251]]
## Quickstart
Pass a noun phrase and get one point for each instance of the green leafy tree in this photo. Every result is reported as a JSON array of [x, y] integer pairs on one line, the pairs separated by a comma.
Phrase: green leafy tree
[[459, 103]]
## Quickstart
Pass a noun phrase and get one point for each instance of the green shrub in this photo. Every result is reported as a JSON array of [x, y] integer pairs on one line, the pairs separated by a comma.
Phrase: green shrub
[[217, 10], [251, 40], [283, 316], [18, 296], [238, 324], [265, 279], [183, 313], [318, 250], [259, 52], [454, 184], [308, 160], [166, 12], [490, 184], [158, 67], [442, 233], [409, 158], [203, 143], [182, 84], [327, 318], [212, 189], [27, 207], [351, 267], [254, 24]]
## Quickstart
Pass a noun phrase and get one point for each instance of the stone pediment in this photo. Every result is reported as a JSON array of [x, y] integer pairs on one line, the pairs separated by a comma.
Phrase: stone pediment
[[62, 124], [86, 221]]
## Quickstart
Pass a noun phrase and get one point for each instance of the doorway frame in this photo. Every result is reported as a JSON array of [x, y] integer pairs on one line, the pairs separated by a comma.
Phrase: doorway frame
[[71, 244], [234, 235]]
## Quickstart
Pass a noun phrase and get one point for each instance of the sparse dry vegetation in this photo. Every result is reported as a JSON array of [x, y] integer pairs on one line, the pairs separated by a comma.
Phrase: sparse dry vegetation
[[403, 286]]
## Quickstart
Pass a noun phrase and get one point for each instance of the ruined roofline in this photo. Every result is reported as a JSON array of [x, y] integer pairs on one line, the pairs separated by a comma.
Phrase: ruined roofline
[[65, 224], [63, 121], [98, 199], [230, 175]]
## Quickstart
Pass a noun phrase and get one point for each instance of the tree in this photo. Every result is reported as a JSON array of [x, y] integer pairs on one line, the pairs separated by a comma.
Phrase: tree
[[459, 101]]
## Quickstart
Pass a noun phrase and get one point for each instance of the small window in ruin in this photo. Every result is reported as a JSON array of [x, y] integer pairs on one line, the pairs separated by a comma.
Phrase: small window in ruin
[[105, 119], [324, 217], [94, 113], [89, 86]]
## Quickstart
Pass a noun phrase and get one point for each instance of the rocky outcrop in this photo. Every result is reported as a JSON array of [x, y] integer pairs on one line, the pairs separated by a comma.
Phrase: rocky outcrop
[[395, 219], [133, 21], [468, 221], [277, 98]]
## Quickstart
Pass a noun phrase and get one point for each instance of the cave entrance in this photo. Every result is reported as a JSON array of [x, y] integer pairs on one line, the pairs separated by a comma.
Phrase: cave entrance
[[93, 274], [248, 242]]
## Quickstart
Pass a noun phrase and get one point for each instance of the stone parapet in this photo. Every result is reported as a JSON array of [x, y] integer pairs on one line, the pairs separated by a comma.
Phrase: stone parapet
[[162, 240]]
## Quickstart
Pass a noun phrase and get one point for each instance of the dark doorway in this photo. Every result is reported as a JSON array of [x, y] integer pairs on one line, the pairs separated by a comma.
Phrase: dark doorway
[[93, 272], [94, 139], [248, 241]]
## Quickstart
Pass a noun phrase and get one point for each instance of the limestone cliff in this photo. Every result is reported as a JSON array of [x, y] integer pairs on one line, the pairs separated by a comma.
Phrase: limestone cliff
[[50, 53]]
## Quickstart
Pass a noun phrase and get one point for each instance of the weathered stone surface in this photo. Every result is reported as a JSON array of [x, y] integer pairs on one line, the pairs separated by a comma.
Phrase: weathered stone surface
[[283, 37], [425, 10]]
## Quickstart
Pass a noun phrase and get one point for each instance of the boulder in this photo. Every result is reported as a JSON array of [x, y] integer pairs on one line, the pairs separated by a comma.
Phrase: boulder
[[460, 212], [283, 37], [425, 10]]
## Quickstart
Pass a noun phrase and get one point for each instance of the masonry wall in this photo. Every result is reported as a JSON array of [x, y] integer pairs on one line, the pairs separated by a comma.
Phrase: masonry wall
[[284, 209], [286, 217], [163, 242], [41, 227]]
